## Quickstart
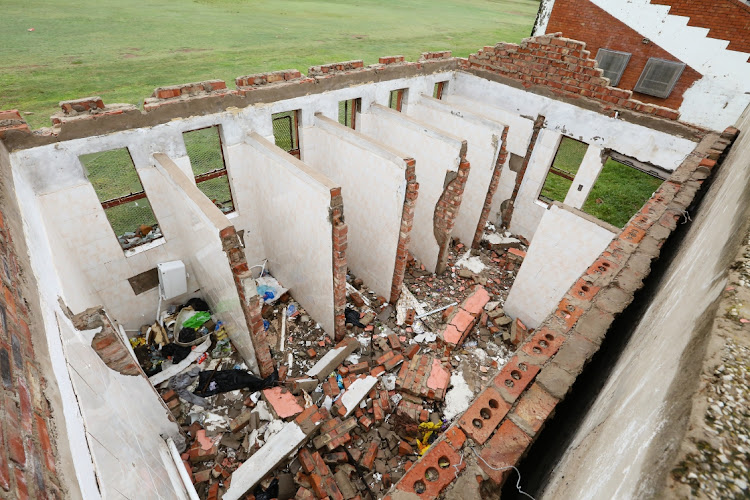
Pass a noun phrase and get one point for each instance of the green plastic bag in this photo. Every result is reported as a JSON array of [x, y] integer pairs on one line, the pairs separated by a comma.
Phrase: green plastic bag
[[197, 320]]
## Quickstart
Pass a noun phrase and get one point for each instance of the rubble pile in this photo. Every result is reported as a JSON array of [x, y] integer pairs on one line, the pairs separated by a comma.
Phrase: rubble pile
[[370, 405]]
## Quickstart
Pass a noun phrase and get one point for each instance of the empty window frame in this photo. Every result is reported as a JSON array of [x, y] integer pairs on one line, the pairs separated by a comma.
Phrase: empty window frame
[[437, 91], [396, 100], [620, 191], [564, 167], [118, 187], [286, 131], [613, 63], [659, 77], [209, 168], [348, 112]]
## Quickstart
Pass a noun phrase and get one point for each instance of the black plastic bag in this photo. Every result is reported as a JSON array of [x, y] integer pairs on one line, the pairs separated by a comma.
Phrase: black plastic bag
[[177, 352], [187, 335], [270, 493], [352, 317], [212, 382]]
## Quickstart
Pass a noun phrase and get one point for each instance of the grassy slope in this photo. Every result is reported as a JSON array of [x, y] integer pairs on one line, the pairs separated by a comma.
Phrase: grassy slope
[[123, 49]]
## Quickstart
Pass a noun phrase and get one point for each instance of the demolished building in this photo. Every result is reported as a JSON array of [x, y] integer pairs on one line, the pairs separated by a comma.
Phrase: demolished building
[[363, 235]]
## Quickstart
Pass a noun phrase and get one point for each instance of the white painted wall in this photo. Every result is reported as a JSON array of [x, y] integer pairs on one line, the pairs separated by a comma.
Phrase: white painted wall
[[125, 420], [435, 152], [292, 205], [205, 259], [484, 139], [588, 172], [565, 245], [373, 185], [645, 144], [519, 135]]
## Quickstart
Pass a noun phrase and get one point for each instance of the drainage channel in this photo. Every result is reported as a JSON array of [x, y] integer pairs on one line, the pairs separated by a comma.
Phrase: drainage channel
[[558, 433]]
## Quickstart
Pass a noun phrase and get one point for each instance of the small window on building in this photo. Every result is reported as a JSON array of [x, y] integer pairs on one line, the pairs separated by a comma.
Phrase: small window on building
[[118, 187], [659, 77], [207, 160], [564, 167], [613, 62], [286, 131], [437, 92], [348, 112], [397, 99], [619, 192]]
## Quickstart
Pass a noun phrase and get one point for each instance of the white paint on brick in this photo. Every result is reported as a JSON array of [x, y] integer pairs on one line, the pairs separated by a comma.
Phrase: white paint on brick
[[586, 177], [565, 245], [357, 391]]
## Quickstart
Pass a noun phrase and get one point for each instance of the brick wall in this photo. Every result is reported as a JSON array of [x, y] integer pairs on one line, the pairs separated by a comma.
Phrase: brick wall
[[726, 19], [563, 66], [339, 236], [446, 210], [507, 416], [27, 434], [108, 344], [587, 22], [252, 305], [494, 182], [404, 237]]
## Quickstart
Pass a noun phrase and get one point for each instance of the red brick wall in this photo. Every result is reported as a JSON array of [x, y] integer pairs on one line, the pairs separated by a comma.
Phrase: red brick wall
[[726, 19], [339, 235], [446, 211], [251, 306], [407, 219], [108, 344], [27, 439], [582, 20], [501, 157]]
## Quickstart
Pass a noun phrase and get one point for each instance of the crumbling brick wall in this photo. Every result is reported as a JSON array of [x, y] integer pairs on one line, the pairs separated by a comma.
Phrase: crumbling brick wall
[[446, 209], [28, 443], [494, 182], [563, 66], [251, 305], [587, 22], [407, 220], [107, 343], [339, 234]]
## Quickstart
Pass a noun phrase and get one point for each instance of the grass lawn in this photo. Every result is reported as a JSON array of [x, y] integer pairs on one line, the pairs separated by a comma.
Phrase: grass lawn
[[122, 49]]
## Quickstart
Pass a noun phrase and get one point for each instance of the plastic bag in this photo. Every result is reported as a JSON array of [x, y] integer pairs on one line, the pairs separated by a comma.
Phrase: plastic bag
[[196, 320]]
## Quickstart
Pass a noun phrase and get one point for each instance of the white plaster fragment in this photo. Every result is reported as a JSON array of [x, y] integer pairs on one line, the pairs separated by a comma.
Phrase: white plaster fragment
[[473, 264], [458, 397], [358, 390]]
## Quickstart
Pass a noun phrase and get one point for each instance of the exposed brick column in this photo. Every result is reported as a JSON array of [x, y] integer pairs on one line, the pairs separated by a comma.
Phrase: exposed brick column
[[108, 344], [404, 237], [494, 182], [446, 211], [339, 237], [251, 306], [508, 214]]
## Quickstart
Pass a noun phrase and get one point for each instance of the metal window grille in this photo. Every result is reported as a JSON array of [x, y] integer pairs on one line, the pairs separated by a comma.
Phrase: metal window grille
[[118, 187], [659, 77], [563, 170], [348, 112], [437, 92], [397, 99], [209, 168], [613, 63], [286, 132]]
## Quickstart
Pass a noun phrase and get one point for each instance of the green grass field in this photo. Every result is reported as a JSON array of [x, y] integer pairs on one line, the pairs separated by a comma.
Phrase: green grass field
[[122, 49]]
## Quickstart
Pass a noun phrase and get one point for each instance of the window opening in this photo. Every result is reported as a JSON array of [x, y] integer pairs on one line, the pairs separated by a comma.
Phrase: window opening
[[437, 92], [118, 187], [564, 167], [613, 63], [659, 77], [348, 112], [619, 192], [209, 168], [397, 99], [286, 131]]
